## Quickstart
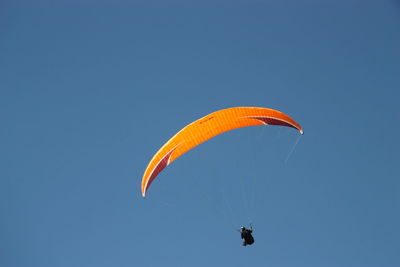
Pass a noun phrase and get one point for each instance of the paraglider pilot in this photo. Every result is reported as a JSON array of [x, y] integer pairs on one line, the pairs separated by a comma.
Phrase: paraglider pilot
[[245, 234]]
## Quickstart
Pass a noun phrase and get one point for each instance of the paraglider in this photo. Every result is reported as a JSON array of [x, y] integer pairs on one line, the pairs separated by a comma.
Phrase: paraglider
[[207, 127], [246, 235]]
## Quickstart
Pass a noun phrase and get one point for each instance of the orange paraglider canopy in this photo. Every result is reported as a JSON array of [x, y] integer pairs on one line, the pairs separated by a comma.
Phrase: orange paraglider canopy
[[207, 127]]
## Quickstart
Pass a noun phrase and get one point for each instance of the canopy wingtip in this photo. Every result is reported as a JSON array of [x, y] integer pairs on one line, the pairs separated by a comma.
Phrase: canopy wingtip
[[143, 193]]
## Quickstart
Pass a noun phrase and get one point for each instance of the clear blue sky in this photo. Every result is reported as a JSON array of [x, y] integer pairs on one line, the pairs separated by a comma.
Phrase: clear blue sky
[[89, 90]]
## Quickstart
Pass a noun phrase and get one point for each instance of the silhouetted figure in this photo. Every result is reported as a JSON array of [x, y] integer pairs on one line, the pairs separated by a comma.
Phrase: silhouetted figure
[[245, 234]]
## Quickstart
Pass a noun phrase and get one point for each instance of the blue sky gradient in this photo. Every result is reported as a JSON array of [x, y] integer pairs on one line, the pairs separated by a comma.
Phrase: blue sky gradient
[[89, 90]]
